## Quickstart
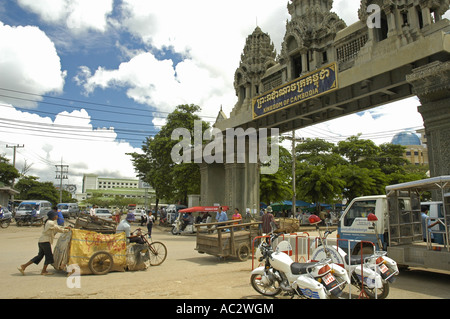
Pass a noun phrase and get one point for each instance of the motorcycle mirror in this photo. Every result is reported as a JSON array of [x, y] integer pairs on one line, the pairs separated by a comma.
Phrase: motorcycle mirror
[[372, 217], [314, 219]]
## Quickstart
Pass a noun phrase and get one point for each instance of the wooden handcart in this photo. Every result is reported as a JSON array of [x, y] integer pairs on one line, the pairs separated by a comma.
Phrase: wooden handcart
[[226, 239], [99, 225]]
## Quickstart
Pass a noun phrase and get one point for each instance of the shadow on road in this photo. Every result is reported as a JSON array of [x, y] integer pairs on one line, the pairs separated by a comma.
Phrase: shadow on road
[[438, 282]]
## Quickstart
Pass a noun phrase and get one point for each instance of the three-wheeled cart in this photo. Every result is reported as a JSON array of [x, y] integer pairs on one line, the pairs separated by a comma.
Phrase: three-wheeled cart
[[97, 249], [90, 252], [226, 239]]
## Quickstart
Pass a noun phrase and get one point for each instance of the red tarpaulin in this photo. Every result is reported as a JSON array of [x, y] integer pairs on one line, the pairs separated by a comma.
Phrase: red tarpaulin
[[202, 209]]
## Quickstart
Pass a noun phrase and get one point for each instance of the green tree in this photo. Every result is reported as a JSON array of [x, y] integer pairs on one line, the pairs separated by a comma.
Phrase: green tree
[[318, 152], [318, 183], [171, 181], [317, 177], [30, 188], [362, 174], [7, 172], [278, 186], [359, 151]]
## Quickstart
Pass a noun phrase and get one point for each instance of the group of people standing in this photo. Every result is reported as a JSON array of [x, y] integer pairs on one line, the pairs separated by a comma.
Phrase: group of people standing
[[222, 215]]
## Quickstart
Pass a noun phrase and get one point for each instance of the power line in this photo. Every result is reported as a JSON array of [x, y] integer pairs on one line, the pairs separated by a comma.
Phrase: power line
[[71, 138], [85, 102], [70, 128]]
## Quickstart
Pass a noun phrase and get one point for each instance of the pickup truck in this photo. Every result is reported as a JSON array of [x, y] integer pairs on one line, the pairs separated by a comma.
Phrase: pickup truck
[[399, 229]]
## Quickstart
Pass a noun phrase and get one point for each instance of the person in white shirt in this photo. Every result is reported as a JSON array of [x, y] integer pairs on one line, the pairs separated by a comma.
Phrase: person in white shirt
[[125, 227], [45, 242], [92, 211], [150, 221]]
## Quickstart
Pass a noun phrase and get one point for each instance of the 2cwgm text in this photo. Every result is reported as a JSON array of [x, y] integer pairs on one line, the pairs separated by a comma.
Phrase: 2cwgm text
[[232, 308]]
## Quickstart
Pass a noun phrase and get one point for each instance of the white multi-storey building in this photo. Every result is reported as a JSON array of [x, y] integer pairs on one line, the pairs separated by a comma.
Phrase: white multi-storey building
[[111, 187]]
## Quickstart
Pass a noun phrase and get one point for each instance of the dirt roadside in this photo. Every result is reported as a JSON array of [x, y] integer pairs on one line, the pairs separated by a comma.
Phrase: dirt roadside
[[185, 274]]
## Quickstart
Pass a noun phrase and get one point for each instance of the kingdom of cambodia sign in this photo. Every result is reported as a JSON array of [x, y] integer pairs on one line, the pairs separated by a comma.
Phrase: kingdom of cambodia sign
[[316, 83]]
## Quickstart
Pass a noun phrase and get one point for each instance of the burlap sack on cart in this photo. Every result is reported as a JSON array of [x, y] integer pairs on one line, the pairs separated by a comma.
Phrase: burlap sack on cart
[[85, 243], [61, 251]]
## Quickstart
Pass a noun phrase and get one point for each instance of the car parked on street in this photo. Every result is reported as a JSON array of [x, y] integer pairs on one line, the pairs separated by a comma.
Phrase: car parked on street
[[69, 209], [103, 213]]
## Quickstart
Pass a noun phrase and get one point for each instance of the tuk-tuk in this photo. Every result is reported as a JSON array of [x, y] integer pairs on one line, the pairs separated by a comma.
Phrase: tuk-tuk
[[184, 224]]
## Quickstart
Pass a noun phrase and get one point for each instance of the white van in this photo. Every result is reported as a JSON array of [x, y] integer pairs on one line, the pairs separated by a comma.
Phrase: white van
[[42, 208], [69, 209]]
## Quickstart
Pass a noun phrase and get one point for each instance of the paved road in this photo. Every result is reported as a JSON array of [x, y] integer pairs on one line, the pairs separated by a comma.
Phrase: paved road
[[185, 274]]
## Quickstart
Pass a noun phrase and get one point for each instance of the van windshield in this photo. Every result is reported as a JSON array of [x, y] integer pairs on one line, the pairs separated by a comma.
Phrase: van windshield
[[359, 209], [63, 206], [27, 206]]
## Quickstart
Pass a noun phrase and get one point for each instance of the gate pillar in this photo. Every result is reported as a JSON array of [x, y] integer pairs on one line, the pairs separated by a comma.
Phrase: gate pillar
[[431, 84]]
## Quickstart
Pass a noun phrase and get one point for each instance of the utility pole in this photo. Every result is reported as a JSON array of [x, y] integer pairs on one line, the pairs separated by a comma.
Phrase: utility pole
[[15, 147], [294, 139], [62, 172]]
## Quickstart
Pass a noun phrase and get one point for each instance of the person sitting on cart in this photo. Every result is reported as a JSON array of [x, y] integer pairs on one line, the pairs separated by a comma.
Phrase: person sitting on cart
[[124, 226], [202, 218]]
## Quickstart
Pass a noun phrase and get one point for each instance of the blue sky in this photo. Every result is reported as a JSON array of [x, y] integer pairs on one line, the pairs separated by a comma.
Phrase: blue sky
[[83, 82]]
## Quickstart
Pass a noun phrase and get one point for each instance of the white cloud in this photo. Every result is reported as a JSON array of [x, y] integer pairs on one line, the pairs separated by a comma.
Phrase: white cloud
[[29, 63], [77, 15], [210, 35], [158, 82], [70, 138]]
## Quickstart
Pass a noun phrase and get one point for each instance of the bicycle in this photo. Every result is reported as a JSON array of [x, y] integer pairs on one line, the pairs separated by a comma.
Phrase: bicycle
[[157, 250]]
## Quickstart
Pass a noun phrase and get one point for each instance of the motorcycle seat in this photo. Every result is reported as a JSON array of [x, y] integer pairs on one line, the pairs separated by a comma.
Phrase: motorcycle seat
[[300, 268]]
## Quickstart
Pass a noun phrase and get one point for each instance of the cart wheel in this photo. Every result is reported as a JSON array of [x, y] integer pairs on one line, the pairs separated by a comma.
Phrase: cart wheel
[[101, 263], [243, 252]]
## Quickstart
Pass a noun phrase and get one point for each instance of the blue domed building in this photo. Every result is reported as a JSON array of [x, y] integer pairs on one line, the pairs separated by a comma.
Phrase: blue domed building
[[416, 151], [406, 138]]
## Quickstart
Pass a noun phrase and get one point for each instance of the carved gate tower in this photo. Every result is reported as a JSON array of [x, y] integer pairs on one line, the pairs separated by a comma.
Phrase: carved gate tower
[[398, 52]]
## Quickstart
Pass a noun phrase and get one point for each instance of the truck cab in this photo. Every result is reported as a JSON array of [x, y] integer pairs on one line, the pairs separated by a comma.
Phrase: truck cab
[[400, 227], [353, 225]]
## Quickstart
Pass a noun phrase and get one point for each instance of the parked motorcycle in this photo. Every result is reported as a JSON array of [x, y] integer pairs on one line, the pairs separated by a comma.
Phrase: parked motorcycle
[[372, 273], [5, 219], [312, 280], [29, 220]]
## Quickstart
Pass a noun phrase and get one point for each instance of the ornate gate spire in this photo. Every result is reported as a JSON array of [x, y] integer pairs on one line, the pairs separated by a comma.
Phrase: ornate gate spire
[[259, 54]]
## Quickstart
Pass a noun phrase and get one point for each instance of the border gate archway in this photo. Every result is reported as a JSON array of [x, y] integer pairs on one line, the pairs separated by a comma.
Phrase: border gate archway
[[327, 70]]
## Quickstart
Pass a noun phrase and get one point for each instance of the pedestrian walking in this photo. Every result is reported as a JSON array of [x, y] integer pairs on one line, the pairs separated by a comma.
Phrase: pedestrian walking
[[150, 221], [268, 221]]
